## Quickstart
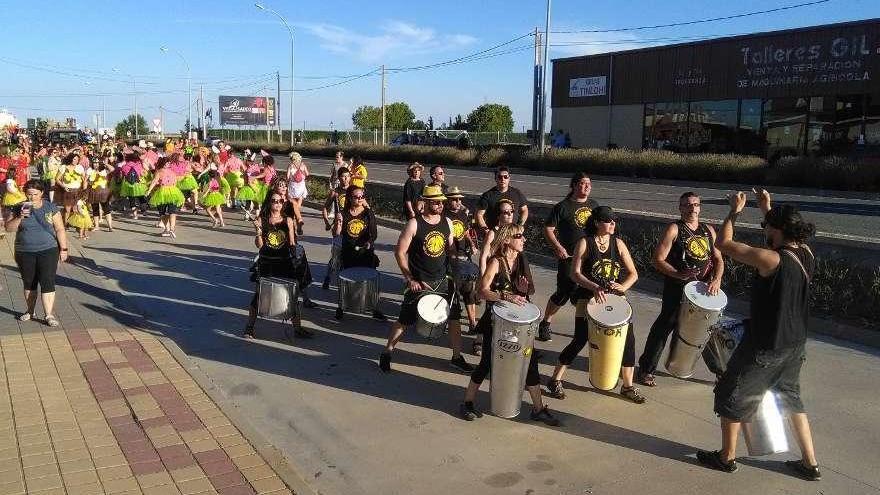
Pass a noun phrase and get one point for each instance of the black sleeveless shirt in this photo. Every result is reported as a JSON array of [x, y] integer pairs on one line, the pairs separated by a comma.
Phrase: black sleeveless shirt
[[601, 268], [276, 241], [692, 249], [357, 230], [780, 306], [427, 250], [504, 279], [460, 224]]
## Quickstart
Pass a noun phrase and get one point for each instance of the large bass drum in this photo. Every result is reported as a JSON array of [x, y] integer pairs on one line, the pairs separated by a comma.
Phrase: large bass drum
[[513, 338], [359, 289], [609, 322], [697, 315]]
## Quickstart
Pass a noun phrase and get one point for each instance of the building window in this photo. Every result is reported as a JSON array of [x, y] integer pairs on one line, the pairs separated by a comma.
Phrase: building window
[[872, 120], [648, 132], [820, 131], [669, 131], [750, 138], [784, 123], [712, 126]]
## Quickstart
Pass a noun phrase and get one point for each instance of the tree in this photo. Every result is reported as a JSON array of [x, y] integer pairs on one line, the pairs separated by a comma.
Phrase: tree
[[127, 124], [491, 117], [398, 116]]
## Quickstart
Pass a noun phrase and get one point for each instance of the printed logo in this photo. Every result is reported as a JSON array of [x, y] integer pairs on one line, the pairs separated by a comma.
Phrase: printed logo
[[507, 346], [604, 271], [458, 229], [435, 244], [698, 248], [582, 215], [355, 227], [276, 239]]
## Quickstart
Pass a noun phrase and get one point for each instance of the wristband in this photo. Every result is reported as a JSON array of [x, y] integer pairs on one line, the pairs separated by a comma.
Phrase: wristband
[[64, 249]]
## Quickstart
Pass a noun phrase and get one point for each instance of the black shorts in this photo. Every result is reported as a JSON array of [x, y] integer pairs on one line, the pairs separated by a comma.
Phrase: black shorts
[[168, 209], [565, 286], [751, 372], [38, 269], [409, 312]]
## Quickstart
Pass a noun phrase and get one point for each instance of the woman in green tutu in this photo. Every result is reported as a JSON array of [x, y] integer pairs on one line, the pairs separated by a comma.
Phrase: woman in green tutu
[[166, 197], [186, 182], [249, 193], [213, 197], [234, 175], [133, 185]]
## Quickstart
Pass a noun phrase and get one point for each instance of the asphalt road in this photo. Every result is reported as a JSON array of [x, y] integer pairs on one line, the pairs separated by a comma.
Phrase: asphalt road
[[852, 217]]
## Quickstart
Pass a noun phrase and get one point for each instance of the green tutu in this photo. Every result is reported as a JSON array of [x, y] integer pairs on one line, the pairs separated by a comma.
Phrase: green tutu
[[129, 190], [13, 198], [214, 198], [80, 220], [262, 192], [246, 193], [235, 179], [224, 187], [114, 186], [187, 183], [167, 195]]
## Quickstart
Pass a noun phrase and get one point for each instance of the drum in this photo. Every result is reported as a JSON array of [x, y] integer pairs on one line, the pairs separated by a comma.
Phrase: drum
[[336, 254], [466, 273], [765, 432], [608, 324], [277, 298], [726, 335], [513, 335], [359, 289], [698, 314], [433, 311]]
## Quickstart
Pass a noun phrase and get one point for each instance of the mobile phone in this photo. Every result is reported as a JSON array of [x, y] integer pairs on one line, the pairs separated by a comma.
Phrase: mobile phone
[[26, 208]]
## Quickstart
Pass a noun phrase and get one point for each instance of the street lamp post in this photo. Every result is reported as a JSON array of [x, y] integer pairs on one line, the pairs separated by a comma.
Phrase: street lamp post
[[290, 31], [165, 49], [544, 80]]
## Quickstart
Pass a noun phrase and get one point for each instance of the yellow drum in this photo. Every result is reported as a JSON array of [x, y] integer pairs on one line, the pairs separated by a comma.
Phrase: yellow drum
[[608, 324]]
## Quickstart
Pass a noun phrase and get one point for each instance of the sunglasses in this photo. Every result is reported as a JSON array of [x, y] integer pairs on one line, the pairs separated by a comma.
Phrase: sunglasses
[[360, 196], [506, 212], [517, 236], [610, 220], [275, 201], [503, 176]]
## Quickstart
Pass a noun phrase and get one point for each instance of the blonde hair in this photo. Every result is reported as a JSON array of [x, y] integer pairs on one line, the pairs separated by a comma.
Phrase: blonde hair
[[295, 157], [505, 233]]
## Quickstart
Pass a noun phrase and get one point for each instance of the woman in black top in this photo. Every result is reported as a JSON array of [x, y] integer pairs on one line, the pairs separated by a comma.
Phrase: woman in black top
[[278, 256], [596, 269], [507, 278], [357, 227]]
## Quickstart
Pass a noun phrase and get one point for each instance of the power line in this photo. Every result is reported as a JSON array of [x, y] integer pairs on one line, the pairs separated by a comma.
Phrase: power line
[[689, 23], [459, 59], [361, 76]]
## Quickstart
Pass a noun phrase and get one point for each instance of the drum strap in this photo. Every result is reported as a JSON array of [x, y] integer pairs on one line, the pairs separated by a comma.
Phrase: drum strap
[[800, 264]]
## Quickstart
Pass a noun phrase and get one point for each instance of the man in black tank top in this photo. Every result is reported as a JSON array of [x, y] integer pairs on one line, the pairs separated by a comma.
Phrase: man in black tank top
[[686, 252], [333, 207], [422, 253], [771, 353]]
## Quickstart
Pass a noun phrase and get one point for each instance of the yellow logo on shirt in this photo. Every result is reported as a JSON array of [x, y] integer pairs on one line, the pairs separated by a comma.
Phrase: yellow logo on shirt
[[457, 229], [605, 270], [355, 227], [582, 215], [276, 239], [698, 248], [435, 244]]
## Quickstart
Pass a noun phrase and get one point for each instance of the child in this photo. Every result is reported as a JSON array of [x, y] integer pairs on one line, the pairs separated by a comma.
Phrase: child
[[81, 218], [213, 198]]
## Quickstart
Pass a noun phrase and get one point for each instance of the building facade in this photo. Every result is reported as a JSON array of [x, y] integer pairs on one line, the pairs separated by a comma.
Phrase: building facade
[[803, 91]]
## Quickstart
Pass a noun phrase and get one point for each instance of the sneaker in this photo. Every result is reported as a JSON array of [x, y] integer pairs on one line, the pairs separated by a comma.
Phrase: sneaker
[[633, 394], [646, 379], [468, 412], [303, 333], [555, 390], [385, 361], [379, 315], [809, 473], [338, 314], [460, 364], [165, 234], [299, 228], [308, 303], [544, 334], [714, 461], [24, 317], [326, 284], [544, 416]]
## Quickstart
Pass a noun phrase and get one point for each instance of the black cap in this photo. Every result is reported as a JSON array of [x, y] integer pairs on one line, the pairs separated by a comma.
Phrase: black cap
[[604, 214]]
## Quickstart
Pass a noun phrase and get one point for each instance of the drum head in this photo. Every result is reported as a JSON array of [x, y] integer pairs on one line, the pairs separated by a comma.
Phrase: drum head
[[615, 311], [433, 308], [698, 294], [358, 274], [513, 313]]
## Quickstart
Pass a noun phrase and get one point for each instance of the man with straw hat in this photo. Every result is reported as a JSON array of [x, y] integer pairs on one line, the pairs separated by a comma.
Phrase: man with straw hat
[[422, 255]]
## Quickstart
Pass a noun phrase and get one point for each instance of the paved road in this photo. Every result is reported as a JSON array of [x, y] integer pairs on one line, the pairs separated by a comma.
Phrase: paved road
[[352, 430], [835, 215]]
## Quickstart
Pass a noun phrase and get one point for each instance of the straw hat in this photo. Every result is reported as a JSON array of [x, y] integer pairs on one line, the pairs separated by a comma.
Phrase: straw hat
[[454, 193], [433, 193], [415, 165]]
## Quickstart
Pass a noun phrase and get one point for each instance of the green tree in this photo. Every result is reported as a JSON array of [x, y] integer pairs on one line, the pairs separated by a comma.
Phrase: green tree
[[398, 116], [127, 124], [491, 117]]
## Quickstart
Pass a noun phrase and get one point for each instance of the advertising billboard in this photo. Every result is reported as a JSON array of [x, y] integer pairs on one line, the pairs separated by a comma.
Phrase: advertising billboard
[[247, 110]]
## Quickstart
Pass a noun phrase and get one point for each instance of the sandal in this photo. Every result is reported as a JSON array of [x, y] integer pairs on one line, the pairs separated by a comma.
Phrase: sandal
[[25, 317], [646, 379], [713, 460], [633, 394], [477, 349], [52, 321]]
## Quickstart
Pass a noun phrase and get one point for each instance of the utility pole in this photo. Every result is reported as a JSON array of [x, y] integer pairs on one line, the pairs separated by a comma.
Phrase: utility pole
[[544, 78], [383, 106], [137, 134], [536, 89], [278, 103], [202, 111], [103, 111], [162, 120], [268, 129]]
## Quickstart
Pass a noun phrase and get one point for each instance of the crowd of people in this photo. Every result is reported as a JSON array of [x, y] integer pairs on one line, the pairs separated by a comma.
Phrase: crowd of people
[[444, 248]]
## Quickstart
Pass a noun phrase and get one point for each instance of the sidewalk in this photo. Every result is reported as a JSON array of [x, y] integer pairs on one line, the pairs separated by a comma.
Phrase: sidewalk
[[96, 406]]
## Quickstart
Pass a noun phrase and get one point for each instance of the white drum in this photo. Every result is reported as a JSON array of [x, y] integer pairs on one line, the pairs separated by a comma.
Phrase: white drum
[[359, 289], [513, 337], [608, 325], [697, 316], [336, 254], [277, 298], [433, 310]]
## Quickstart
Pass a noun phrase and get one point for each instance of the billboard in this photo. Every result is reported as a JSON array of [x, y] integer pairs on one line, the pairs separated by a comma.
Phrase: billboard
[[247, 110]]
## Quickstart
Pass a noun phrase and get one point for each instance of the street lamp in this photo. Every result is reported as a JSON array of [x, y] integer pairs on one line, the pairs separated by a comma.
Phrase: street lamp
[[290, 31], [165, 49], [134, 91]]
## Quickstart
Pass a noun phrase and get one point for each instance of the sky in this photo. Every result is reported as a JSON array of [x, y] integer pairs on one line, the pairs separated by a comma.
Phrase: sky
[[77, 59]]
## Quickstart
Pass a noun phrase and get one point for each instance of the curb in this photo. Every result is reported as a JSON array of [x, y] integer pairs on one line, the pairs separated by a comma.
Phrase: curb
[[273, 457]]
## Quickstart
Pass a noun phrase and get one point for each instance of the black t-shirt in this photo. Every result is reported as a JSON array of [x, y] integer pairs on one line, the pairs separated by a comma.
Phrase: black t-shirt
[[692, 249], [489, 202], [780, 306], [427, 250], [570, 218], [412, 190]]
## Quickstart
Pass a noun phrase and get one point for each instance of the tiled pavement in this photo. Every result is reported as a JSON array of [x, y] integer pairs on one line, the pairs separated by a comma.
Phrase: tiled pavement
[[98, 407]]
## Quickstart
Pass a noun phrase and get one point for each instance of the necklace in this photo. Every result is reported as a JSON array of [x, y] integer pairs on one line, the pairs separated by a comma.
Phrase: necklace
[[603, 245]]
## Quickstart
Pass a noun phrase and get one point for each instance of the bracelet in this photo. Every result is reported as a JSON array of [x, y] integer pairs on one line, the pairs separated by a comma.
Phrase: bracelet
[[64, 249]]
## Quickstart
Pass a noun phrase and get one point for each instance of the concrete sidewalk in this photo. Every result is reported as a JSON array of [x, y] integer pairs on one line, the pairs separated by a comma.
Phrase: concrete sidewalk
[[350, 429], [96, 406]]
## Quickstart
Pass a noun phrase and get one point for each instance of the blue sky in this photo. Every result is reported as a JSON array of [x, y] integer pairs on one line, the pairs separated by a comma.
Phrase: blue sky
[[59, 56]]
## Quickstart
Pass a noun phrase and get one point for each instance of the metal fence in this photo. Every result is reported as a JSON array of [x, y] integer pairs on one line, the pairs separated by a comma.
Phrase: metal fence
[[374, 137]]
